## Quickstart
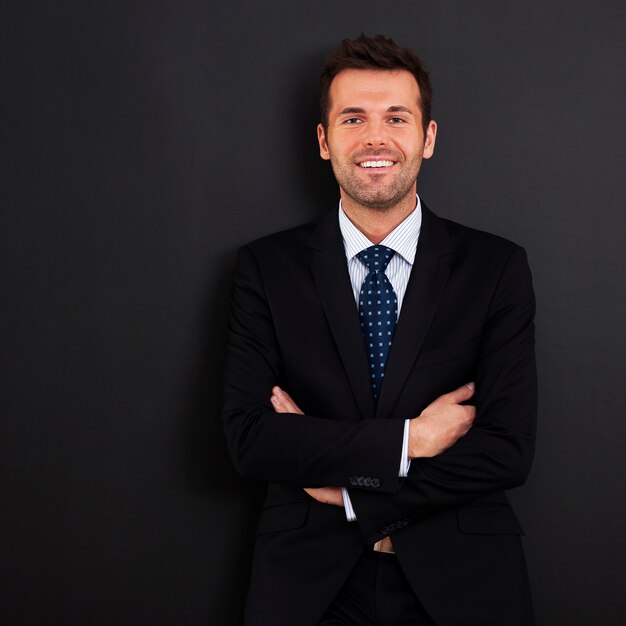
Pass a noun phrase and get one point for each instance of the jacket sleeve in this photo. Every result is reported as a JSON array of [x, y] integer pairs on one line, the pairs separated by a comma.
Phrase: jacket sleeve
[[497, 452], [298, 450]]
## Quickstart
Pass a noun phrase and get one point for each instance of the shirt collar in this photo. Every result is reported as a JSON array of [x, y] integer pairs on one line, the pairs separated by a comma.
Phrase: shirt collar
[[402, 239]]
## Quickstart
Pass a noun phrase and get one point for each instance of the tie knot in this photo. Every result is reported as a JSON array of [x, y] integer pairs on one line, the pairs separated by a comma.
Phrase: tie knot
[[376, 257]]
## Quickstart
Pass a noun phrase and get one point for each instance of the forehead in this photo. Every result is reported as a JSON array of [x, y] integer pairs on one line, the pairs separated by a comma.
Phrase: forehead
[[374, 88]]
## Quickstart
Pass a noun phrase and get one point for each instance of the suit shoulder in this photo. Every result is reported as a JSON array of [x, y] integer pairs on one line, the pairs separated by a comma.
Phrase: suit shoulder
[[282, 240], [475, 240]]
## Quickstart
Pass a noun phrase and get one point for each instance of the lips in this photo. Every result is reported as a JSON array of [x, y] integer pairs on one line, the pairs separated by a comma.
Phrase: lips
[[376, 159], [380, 163]]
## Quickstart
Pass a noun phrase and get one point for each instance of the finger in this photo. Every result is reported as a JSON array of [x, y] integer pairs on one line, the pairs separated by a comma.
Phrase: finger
[[276, 400], [282, 402], [467, 418], [293, 407], [311, 491], [317, 493], [289, 404], [279, 407], [461, 394], [326, 495]]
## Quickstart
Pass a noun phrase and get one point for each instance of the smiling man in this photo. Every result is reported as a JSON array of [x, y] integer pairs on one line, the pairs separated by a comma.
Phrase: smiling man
[[376, 148], [381, 380]]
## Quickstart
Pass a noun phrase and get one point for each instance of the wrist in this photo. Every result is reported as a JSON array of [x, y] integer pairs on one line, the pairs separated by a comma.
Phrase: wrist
[[414, 438]]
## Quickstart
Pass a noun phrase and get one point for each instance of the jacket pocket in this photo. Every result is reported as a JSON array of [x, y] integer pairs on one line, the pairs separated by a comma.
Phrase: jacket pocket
[[488, 519], [283, 517]]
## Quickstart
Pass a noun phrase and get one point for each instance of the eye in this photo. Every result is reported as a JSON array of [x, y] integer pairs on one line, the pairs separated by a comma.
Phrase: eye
[[396, 120], [352, 120]]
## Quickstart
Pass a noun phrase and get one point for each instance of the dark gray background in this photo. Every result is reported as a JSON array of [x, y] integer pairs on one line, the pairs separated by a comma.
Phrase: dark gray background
[[142, 143]]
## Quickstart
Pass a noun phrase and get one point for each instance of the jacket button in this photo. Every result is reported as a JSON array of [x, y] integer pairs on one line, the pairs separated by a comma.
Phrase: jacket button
[[385, 530], [360, 481], [354, 481], [368, 482], [375, 482]]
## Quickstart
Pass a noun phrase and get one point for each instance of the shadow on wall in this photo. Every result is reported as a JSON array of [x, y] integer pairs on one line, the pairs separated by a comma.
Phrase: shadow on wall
[[316, 193], [315, 183], [207, 454], [207, 465], [234, 503]]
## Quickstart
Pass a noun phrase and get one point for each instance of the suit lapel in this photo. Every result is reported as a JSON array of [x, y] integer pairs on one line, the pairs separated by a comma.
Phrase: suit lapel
[[426, 284], [330, 273]]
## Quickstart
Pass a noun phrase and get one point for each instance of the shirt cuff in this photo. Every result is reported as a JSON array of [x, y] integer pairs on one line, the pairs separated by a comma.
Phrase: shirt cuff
[[347, 505], [405, 462]]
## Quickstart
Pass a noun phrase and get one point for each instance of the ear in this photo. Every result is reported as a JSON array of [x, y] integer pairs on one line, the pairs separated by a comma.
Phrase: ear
[[321, 139], [429, 141]]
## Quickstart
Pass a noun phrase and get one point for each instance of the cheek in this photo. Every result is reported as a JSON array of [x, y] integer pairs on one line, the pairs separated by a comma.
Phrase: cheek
[[345, 144], [415, 150]]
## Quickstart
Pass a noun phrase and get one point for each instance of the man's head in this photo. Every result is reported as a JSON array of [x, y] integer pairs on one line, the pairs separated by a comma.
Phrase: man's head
[[376, 125], [374, 53]]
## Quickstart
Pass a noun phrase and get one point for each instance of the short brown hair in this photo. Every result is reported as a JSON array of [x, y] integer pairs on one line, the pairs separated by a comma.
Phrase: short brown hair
[[371, 53]]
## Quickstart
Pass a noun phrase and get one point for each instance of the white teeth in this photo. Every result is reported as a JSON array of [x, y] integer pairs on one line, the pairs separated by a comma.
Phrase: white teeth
[[376, 164]]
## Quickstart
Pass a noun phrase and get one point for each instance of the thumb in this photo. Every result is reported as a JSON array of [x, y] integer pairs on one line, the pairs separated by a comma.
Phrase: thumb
[[461, 394]]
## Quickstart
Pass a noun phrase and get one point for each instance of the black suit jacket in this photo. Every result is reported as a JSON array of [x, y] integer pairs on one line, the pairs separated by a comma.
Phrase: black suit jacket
[[467, 315]]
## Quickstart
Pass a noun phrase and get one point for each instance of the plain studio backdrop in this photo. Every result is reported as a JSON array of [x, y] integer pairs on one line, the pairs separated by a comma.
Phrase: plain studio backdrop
[[142, 143]]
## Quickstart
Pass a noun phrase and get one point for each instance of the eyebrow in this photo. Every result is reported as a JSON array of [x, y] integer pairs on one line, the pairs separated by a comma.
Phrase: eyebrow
[[391, 109], [399, 109], [351, 110]]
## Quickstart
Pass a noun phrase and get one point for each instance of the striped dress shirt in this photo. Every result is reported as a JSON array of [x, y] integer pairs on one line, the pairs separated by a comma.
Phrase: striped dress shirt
[[403, 240]]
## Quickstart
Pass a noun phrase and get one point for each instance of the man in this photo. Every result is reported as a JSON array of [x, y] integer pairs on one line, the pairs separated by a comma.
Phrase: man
[[381, 379]]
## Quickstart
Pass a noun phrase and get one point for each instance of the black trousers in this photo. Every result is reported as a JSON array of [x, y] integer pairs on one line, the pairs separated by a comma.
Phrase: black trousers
[[376, 594]]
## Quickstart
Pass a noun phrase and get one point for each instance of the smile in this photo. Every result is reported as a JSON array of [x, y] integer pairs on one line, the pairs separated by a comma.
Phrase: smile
[[376, 163]]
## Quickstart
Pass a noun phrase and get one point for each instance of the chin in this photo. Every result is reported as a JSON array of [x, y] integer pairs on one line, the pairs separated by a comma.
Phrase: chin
[[381, 207], [380, 203]]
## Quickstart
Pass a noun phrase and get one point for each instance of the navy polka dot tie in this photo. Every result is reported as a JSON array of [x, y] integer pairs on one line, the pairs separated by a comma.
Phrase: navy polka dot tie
[[378, 310]]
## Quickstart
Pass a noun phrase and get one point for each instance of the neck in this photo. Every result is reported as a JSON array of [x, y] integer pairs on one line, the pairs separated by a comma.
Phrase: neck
[[376, 224]]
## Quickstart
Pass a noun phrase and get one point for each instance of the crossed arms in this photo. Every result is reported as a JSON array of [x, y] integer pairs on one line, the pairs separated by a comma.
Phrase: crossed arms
[[458, 454], [439, 426]]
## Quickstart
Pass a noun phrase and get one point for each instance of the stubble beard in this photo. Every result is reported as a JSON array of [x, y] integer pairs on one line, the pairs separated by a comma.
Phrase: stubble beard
[[380, 198]]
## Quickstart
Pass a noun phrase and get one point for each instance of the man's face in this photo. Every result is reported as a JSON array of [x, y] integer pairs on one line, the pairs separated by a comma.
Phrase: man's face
[[375, 140]]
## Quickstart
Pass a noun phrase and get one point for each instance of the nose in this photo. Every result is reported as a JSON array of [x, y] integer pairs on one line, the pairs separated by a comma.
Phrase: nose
[[376, 136]]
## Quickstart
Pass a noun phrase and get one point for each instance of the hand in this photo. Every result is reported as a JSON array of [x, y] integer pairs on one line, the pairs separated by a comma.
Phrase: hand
[[282, 403], [326, 495], [441, 423]]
